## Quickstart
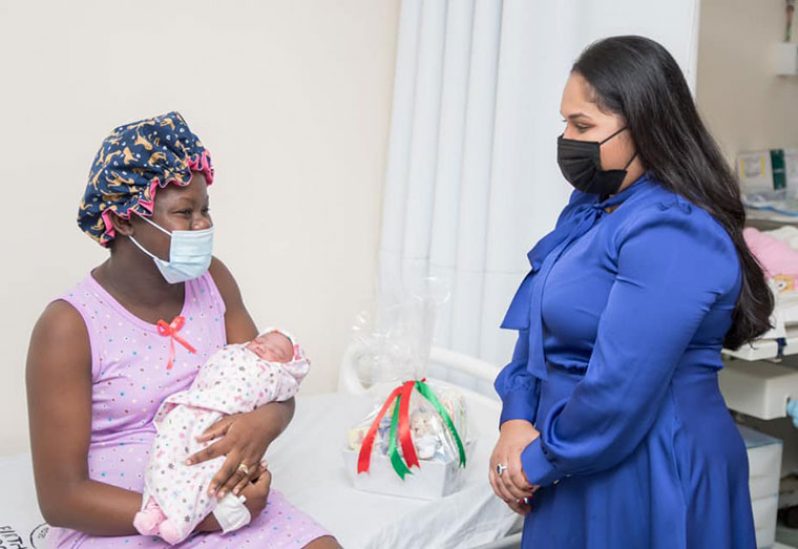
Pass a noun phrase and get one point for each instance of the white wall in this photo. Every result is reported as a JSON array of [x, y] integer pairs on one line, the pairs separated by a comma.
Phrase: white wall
[[744, 104], [292, 97]]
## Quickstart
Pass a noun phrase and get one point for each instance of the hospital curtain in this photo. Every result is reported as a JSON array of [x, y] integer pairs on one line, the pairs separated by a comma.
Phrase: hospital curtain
[[471, 179]]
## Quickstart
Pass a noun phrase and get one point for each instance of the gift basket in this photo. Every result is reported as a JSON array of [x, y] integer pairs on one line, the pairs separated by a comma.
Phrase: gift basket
[[414, 443]]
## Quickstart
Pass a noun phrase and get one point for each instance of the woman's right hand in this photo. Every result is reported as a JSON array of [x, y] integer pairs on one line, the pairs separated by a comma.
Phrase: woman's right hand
[[512, 485]]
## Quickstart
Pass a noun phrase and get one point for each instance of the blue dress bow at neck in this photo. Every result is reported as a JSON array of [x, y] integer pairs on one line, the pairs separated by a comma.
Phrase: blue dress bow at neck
[[525, 309]]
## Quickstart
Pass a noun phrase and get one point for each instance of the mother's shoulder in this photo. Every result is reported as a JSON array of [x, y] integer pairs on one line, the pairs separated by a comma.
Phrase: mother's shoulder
[[225, 282], [238, 323], [59, 342], [223, 278]]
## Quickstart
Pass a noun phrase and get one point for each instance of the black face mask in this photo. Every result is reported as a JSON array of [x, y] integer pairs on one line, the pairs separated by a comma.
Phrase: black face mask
[[580, 163]]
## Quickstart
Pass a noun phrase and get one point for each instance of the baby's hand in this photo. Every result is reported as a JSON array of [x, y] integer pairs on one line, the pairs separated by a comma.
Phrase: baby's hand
[[257, 493]]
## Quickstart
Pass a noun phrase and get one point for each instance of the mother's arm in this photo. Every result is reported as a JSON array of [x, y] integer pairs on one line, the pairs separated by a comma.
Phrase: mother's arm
[[245, 437], [59, 410]]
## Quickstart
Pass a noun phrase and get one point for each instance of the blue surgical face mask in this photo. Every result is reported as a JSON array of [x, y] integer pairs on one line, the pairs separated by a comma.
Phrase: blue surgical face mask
[[190, 254]]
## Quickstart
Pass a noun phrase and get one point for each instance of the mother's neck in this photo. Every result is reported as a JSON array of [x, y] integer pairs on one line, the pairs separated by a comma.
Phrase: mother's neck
[[132, 275]]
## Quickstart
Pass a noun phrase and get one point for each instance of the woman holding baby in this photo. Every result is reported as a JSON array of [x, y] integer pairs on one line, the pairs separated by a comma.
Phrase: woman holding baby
[[105, 355]]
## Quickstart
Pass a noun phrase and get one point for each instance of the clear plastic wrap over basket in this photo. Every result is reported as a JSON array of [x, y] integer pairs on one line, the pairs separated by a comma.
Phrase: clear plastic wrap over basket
[[432, 439], [394, 332]]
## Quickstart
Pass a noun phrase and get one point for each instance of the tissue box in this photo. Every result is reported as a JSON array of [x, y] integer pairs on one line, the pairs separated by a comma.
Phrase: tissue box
[[769, 170]]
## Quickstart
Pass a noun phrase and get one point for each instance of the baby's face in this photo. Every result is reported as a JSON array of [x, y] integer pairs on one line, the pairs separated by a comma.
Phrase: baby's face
[[274, 347]]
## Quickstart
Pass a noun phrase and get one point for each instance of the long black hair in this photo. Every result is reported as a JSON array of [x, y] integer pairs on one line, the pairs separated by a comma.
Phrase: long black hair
[[638, 79]]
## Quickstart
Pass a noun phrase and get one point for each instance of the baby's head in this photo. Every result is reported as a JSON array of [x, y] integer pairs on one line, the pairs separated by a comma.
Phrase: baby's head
[[272, 346]]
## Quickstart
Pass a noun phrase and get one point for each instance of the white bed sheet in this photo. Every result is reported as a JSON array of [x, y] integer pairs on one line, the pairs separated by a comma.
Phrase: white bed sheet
[[317, 482], [308, 468]]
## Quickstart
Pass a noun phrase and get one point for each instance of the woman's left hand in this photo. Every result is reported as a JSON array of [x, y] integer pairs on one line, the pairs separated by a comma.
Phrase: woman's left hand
[[511, 484], [244, 440]]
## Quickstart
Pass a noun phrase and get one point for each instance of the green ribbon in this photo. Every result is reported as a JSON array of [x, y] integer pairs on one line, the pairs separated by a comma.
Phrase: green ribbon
[[396, 460], [427, 392], [398, 463]]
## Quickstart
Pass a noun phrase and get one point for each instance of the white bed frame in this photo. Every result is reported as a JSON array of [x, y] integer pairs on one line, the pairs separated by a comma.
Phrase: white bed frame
[[470, 374]]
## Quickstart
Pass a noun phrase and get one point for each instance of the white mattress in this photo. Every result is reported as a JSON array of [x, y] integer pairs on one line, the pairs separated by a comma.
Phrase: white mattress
[[307, 466]]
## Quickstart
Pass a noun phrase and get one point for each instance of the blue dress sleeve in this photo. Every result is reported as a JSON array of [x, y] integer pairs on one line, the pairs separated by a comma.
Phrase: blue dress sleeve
[[517, 388], [674, 261]]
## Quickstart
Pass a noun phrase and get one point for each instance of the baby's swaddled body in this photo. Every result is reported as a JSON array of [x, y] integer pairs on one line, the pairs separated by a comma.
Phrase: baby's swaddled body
[[236, 379]]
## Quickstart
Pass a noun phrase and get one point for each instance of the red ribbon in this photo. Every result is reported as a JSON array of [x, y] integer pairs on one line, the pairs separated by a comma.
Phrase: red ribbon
[[403, 393], [364, 459], [408, 448], [170, 330]]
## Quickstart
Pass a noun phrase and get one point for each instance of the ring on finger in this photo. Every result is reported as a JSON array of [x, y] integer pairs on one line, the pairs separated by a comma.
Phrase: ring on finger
[[243, 468], [500, 468]]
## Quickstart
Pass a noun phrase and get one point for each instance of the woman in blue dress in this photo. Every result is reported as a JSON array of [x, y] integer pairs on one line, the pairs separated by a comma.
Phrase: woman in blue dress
[[614, 433]]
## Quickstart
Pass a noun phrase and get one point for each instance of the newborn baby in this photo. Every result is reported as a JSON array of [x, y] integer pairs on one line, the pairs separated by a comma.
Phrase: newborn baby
[[236, 379]]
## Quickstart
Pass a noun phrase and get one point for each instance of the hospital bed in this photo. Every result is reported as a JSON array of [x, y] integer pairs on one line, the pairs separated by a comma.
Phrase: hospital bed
[[316, 481], [308, 467]]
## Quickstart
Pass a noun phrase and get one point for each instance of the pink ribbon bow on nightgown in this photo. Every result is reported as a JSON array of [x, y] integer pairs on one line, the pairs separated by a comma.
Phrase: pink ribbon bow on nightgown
[[171, 330]]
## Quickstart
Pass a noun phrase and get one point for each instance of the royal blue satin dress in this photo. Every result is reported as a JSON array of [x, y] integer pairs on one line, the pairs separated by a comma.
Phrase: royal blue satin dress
[[621, 322]]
